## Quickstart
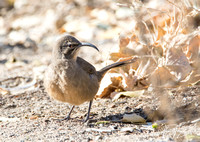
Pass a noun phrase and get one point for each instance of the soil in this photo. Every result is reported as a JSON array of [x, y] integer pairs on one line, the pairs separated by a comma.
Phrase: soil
[[31, 115]]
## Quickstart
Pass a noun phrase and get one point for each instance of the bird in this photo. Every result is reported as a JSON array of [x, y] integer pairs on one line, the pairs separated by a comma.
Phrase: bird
[[70, 78]]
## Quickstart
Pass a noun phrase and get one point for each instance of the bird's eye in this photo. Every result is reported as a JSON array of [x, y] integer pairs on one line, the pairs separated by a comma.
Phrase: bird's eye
[[70, 45]]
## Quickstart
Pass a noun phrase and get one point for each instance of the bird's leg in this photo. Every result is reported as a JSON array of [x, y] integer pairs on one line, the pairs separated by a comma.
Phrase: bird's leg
[[88, 114], [68, 116]]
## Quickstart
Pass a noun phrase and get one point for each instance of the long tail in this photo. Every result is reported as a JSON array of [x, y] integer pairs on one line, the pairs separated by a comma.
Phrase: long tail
[[102, 72]]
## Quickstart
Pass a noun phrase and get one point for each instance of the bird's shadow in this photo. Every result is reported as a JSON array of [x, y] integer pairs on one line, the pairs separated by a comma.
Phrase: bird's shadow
[[113, 118], [116, 118]]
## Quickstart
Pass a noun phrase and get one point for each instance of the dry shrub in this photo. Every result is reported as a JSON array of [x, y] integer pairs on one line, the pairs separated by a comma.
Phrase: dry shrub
[[167, 40]]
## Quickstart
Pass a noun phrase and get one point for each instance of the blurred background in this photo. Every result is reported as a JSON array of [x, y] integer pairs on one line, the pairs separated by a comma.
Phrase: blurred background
[[30, 28], [35, 25]]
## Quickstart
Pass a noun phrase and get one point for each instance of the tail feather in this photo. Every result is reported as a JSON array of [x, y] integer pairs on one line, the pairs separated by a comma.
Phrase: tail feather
[[102, 72]]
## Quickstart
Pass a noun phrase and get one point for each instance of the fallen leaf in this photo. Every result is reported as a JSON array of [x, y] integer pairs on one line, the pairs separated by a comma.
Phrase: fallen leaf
[[110, 83], [177, 63], [162, 77], [128, 94], [33, 117], [133, 118], [127, 129], [4, 92]]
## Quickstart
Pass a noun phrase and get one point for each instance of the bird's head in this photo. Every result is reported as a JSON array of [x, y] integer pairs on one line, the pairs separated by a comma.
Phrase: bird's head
[[68, 46]]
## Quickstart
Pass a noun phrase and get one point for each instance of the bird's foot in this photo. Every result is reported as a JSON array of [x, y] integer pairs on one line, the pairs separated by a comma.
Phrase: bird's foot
[[63, 119], [86, 119], [66, 118]]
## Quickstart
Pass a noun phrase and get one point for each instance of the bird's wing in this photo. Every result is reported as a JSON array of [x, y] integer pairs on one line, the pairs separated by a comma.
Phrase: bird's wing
[[86, 66]]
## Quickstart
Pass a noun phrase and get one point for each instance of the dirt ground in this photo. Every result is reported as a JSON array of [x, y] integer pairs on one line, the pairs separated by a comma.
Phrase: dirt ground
[[30, 114]]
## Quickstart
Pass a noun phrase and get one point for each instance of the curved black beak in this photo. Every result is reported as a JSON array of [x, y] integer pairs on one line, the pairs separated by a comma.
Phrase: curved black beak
[[89, 44]]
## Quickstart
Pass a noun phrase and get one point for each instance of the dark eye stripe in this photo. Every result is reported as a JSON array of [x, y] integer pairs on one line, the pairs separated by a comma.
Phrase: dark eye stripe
[[69, 44], [72, 45]]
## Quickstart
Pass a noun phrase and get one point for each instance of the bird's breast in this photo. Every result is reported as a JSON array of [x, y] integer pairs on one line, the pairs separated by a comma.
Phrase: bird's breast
[[65, 81]]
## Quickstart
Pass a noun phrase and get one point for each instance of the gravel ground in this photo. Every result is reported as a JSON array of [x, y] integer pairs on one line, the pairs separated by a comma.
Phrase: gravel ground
[[31, 115]]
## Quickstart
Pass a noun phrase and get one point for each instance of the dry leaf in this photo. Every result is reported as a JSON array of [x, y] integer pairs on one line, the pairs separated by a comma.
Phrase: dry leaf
[[136, 49], [134, 38], [123, 41], [194, 48], [110, 83], [177, 63], [192, 79], [33, 117], [137, 79], [127, 129], [137, 93], [160, 33], [162, 77], [146, 67], [157, 50], [133, 118], [116, 56], [4, 92]]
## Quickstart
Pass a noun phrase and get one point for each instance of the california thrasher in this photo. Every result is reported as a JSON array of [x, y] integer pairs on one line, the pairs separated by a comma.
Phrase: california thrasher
[[72, 79]]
